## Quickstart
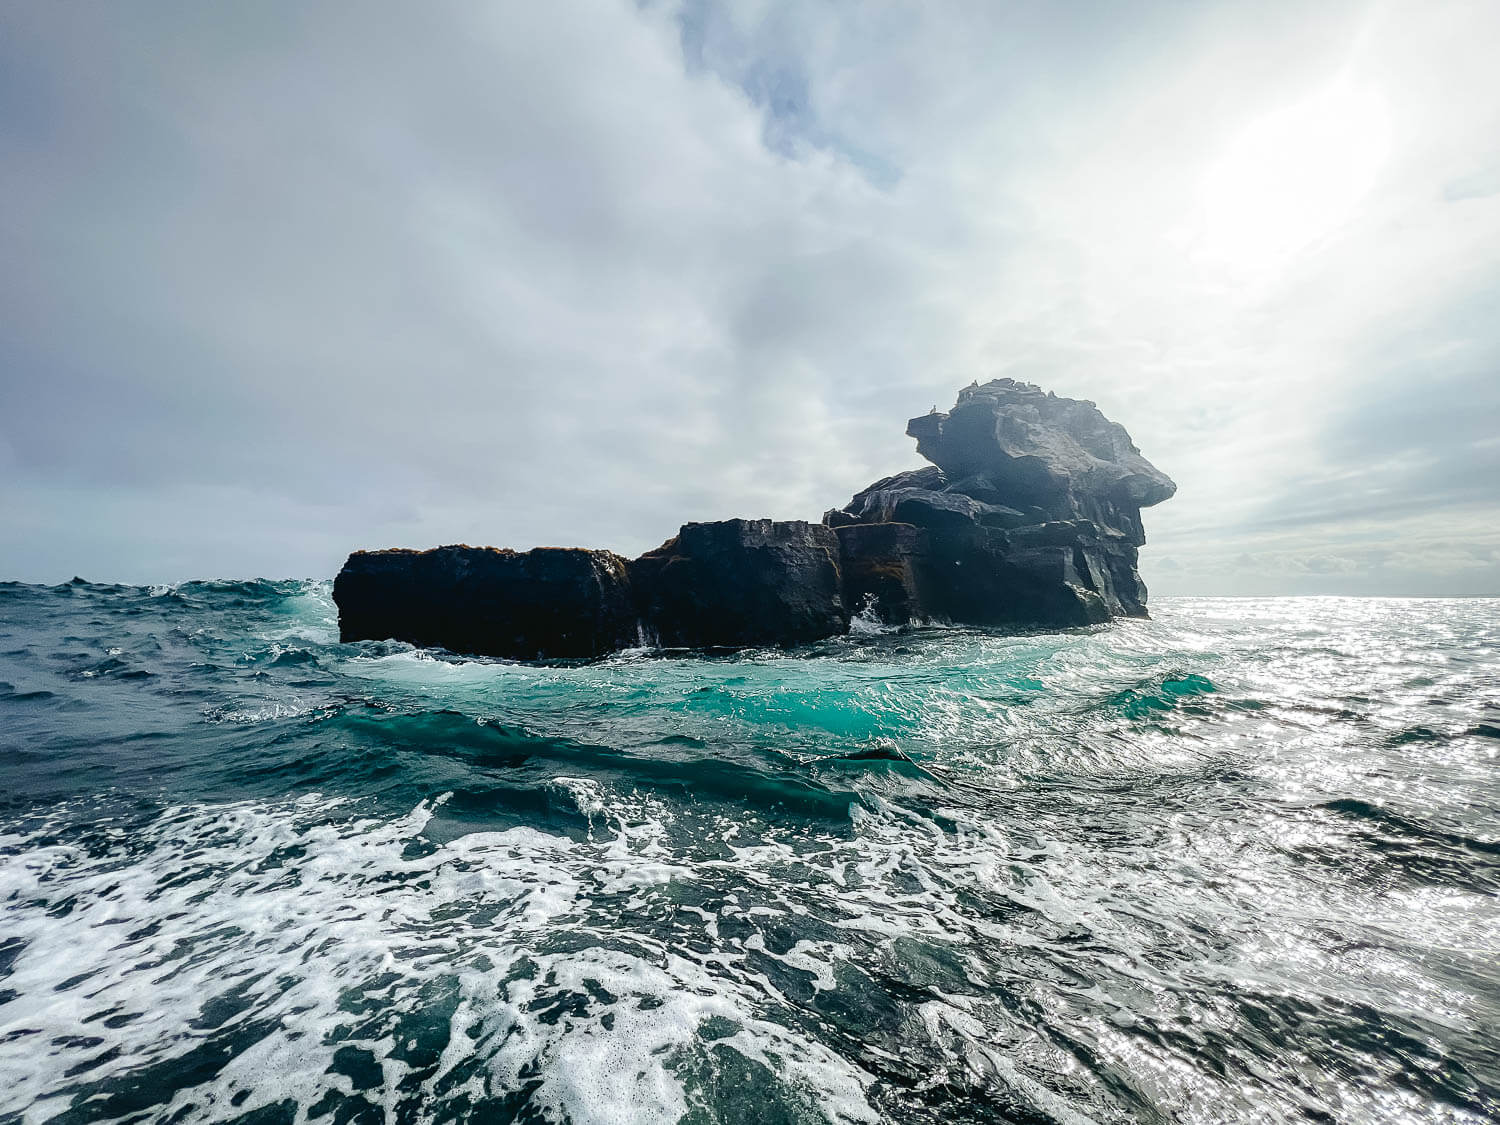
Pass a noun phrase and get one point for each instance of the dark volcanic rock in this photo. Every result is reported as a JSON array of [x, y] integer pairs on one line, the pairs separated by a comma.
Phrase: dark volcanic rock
[[974, 575], [1035, 448], [742, 582], [880, 563], [550, 602], [982, 576], [1029, 516], [929, 478]]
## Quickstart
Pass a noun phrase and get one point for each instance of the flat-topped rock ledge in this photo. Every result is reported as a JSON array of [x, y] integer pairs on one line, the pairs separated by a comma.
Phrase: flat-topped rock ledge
[[1029, 517], [550, 602]]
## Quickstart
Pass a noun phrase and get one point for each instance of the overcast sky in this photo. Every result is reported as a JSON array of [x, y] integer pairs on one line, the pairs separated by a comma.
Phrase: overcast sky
[[284, 280]]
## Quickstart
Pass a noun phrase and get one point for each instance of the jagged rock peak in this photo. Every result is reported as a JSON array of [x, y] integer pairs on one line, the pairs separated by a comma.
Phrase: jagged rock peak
[[1037, 448], [1029, 514]]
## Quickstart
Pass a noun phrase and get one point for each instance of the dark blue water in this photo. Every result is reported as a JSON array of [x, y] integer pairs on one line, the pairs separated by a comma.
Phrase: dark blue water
[[1239, 863]]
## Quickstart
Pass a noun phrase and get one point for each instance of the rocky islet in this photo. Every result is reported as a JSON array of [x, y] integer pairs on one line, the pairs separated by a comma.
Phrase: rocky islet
[[1028, 517]]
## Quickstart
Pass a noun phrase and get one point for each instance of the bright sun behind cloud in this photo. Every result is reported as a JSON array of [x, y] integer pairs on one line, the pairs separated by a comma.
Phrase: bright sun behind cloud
[[1291, 178]]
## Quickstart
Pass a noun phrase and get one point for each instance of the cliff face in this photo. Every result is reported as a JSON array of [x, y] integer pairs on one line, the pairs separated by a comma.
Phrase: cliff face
[[1029, 516], [741, 582], [727, 584], [526, 605]]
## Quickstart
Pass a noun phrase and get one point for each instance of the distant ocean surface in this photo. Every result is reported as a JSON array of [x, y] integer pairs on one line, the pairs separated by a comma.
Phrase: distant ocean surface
[[1240, 863]]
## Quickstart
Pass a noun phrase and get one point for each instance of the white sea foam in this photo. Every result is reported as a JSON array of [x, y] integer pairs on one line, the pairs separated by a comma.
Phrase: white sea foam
[[286, 925], [583, 975], [867, 623], [268, 712]]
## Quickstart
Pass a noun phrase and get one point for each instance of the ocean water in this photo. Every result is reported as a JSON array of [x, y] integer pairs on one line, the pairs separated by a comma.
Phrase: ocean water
[[1237, 863]]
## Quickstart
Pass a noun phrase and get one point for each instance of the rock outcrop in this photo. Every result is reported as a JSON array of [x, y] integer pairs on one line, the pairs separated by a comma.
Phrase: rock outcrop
[[523, 605], [1029, 516], [742, 582]]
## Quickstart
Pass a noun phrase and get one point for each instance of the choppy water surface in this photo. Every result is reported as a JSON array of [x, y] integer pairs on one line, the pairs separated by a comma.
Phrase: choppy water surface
[[1239, 863]]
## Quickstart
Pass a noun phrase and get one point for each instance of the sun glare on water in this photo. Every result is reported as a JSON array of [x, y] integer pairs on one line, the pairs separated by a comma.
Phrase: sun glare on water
[[1291, 178]]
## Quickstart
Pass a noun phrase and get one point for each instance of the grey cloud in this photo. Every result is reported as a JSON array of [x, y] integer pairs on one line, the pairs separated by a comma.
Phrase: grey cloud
[[285, 280], [413, 259], [1418, 432], [1476, 185]]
